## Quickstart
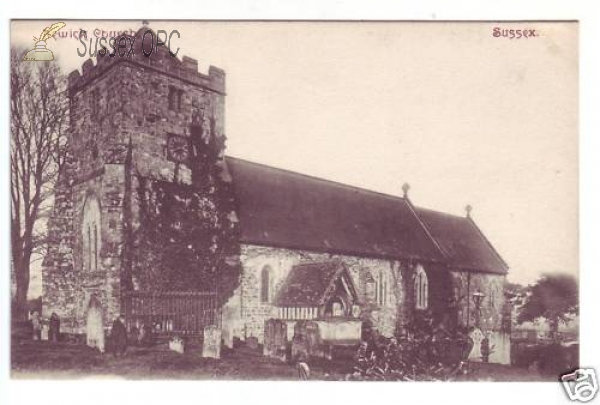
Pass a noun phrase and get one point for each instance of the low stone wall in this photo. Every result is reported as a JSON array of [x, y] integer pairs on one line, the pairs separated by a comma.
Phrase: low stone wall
[[500, 346], [340, 331]]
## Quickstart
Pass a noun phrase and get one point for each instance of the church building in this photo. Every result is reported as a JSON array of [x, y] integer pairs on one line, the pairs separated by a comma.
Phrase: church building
[[300, 247]]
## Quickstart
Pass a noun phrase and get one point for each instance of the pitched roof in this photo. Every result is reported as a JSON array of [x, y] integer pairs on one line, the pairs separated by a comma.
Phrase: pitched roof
[[280, 208], [310, 284], [286, 209], [462, 241]]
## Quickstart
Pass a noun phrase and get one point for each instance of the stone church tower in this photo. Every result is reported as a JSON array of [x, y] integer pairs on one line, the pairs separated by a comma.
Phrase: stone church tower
[[129, 116]]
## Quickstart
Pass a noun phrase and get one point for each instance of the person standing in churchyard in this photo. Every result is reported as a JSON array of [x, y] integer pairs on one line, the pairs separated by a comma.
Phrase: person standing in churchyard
[[119, 337], [94, 325], [54, 330]]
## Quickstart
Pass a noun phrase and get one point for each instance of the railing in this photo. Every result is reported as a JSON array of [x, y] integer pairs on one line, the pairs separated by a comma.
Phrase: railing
[[297, 313], [171, 312]]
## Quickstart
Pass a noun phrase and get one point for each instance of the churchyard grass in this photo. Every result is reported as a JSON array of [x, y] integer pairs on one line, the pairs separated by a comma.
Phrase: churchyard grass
[[41, 359]]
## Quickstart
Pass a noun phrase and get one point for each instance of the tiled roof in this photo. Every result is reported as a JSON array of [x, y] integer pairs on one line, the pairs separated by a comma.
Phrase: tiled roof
[[279, 208], [284, 209], [310, 284], [463, 243]]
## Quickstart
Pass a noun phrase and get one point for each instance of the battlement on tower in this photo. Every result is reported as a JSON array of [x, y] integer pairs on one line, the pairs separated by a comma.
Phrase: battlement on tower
[[160, 61]]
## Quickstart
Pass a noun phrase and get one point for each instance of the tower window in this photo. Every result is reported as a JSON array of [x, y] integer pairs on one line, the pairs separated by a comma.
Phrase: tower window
[[421, 289], [94, 104], [175, 97]]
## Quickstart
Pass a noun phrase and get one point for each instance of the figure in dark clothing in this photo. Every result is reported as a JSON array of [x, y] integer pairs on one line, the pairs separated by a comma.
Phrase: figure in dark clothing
[[54, 328], [146, 337], [119, 337], [485, 350], [133, 336]]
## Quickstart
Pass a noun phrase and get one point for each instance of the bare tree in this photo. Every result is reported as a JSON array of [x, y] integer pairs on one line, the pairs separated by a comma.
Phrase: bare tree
[[39, 113]]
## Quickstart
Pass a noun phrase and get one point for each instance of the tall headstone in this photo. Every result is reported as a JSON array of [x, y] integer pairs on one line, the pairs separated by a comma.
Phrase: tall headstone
[[94, 326], [300, 344], [230, 316], [275, 342], [313, 336], [45, 333], [476, 337], [212, 342]]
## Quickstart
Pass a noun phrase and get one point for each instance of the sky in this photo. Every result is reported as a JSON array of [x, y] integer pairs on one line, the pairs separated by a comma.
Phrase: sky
[[463, 116]]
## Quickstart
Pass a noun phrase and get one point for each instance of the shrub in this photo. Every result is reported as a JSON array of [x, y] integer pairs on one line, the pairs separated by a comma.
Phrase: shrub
[[426, 351]]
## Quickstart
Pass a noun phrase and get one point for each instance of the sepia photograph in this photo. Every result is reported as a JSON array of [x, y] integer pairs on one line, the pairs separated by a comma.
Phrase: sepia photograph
[[295, 201]]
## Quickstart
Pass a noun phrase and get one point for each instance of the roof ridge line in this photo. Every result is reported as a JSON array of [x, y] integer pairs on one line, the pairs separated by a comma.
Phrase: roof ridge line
[[330, 287], [313, 177], [487, 241], [441, 212]]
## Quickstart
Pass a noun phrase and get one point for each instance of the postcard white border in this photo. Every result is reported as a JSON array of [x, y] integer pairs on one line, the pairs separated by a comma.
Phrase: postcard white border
[[160, 392]]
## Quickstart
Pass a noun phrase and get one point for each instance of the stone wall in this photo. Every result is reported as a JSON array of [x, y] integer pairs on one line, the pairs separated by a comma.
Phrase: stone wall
[[58, 278], [492, 305], [245, 313], [95, 169]]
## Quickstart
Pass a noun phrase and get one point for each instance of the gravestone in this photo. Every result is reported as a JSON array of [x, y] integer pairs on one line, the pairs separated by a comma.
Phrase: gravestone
[[177, 344], [45, 333], [300, 348], [94, 327], [252, 343], [314, 337], [212, 342], [275, 342], [300, 344], [230, 320], [307, 341], [476, 337]]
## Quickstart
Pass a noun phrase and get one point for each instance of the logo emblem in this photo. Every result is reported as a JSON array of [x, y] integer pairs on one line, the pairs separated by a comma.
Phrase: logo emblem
[[40, 52], [580, 385]]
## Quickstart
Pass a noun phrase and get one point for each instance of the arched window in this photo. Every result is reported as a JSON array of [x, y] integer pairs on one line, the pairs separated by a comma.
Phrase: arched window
[[265, 280], [91, 233], [494, 295], [421, 289], [381, 289]]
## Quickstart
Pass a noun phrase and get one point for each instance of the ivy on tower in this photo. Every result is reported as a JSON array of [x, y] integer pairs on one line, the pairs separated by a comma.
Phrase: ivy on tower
[[189, 232]]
